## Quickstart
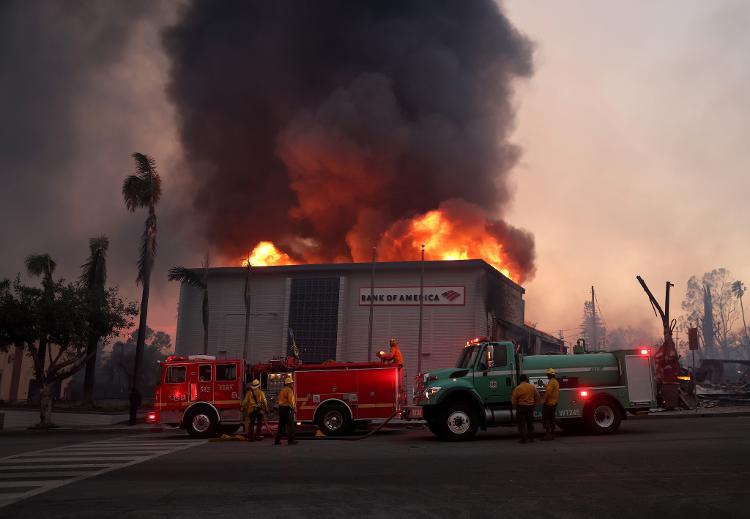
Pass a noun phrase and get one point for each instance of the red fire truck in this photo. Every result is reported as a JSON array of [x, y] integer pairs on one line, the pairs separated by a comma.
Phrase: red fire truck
[[203, 395]]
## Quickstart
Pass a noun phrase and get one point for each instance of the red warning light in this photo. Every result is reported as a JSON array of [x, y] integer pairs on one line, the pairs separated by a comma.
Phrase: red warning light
[[584, 393], [644, 351]]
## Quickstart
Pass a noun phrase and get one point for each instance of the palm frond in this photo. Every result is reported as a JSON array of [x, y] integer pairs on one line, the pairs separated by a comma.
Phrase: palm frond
[[94, 271], [144, 165], [144, 188], [148, 248], [187, 276], [40, 265], [738, 289]]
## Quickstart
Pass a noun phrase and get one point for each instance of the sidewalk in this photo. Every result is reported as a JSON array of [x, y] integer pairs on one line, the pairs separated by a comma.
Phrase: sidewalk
[[701, 412]]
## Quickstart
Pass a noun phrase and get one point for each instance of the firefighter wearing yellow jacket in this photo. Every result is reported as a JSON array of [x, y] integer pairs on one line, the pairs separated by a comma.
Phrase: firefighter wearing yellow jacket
[[525, 397], [253, 406], [287, 407], [549, 405]]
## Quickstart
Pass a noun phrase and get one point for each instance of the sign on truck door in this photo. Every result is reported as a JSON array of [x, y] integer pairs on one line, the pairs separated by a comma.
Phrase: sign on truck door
[[493, 377]]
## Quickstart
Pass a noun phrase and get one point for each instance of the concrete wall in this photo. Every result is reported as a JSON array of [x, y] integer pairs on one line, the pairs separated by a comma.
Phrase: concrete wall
[[445, 328], [8, 360]]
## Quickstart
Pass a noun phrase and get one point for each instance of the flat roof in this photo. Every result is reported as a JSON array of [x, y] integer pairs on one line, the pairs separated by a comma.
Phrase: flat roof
[[365, 267]]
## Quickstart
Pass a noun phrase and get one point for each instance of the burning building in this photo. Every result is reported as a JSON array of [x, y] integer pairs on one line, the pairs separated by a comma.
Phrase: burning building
[[314, 132], [325, 310]]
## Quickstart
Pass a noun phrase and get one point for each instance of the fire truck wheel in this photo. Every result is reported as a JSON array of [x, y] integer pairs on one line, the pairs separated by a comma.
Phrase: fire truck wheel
[[459, 422], [434, 427], [334, 419], [201, 423], [602, 416]]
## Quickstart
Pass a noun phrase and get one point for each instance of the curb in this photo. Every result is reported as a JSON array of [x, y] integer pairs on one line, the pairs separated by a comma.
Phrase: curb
[[663, 416]]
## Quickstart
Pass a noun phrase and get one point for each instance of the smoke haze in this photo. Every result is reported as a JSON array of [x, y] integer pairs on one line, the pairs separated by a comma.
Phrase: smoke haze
[[320, 125]]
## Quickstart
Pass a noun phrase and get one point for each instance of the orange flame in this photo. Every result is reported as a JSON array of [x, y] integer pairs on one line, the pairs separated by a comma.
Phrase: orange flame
[[442, 241], [455, 231], [266, 254]]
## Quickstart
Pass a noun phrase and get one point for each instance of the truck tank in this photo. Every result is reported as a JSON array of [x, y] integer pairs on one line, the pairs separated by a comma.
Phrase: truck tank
[[591, 369]]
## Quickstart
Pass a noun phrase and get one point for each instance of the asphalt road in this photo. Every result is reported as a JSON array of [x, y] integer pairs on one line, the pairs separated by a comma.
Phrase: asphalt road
[[651, 468]]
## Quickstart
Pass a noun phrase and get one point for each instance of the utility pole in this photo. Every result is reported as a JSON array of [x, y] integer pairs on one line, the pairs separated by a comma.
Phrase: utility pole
[[421, 306], [246, 300], [667, 365], [594, 331], [372, 302]]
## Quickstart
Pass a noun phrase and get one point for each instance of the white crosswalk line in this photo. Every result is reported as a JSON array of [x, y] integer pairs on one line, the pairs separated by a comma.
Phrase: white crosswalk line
[[52, 474], [65, 465], [40, 471]]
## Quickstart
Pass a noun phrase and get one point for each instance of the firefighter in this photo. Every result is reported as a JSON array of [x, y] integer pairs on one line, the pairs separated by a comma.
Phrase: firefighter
[[549, 405], [394, 356], [287, 407], [253, 406], [525, 397]]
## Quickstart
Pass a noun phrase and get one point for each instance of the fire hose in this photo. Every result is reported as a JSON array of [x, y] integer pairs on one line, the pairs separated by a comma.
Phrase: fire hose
[[370, 433], [272, 432]]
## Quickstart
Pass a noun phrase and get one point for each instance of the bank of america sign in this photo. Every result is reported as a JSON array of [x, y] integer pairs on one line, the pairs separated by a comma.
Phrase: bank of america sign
[[409, 296]]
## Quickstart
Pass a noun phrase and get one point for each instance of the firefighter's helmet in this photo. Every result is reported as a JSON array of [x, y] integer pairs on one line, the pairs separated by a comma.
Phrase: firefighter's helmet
[[255, 384], [288, 380], [550, 371]]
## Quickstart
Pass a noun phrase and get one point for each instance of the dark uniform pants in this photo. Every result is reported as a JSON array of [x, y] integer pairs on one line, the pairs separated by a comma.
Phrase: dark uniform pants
[[548, 417], [525, 418], [286, 421], [255, 421]]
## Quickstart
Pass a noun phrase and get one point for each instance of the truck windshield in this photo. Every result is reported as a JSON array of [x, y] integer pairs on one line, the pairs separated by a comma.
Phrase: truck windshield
[[467, 357]]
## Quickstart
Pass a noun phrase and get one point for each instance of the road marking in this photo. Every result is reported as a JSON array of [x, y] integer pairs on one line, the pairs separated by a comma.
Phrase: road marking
[[30, 473]]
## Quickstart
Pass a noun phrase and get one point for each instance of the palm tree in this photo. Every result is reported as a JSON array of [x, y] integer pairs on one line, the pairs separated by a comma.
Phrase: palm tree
[[94, 277], [42, 265], [142, 190], [738, 289], [192, 278]]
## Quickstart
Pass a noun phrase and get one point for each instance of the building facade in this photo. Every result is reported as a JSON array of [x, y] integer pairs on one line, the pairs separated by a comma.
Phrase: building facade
[[325, 311]]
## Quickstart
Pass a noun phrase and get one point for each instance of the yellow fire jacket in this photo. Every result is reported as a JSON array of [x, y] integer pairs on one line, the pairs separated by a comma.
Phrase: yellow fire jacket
[[525, 394], [286, 398], [254, 399], [552, 392]]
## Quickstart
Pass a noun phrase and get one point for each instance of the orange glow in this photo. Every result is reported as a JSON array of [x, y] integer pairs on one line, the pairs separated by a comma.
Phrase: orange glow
[[266, 254], [442, 241], [454, 231]]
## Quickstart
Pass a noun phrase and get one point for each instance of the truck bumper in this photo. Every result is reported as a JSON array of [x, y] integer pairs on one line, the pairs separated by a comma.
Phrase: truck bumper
[[412, 412]]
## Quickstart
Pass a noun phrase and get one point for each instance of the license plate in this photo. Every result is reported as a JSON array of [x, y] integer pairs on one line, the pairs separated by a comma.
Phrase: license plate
[[415, 413]]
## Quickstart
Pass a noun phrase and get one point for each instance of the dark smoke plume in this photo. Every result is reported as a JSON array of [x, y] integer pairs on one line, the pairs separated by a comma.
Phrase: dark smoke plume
[[319, 124]]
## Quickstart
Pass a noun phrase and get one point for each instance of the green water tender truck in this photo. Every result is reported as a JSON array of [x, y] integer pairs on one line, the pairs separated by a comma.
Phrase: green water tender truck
[[597, 390]]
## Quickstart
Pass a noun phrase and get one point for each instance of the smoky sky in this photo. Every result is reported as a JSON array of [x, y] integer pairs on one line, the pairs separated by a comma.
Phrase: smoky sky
[[330, 120], [74, 107]]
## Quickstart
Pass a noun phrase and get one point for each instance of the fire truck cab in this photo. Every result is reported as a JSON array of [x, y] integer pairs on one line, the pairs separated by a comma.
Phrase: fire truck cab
[[200, 394]]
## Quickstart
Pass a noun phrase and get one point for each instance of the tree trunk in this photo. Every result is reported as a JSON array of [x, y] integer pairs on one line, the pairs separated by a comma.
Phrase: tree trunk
[[45, 406], [744, 325], [90, 373], [135, 395]]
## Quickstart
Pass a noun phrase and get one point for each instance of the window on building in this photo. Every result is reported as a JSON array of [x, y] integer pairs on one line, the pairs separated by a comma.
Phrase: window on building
[[175, 375], [226, 372], [204, 373], [313, 318]]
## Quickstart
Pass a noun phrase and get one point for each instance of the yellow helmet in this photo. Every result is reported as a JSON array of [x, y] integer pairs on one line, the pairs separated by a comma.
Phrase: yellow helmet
[[550, 371], [255, 384], [288, 380]]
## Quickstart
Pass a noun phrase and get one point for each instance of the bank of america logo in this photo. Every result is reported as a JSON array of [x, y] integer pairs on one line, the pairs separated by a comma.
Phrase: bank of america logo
[[451, 295]]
